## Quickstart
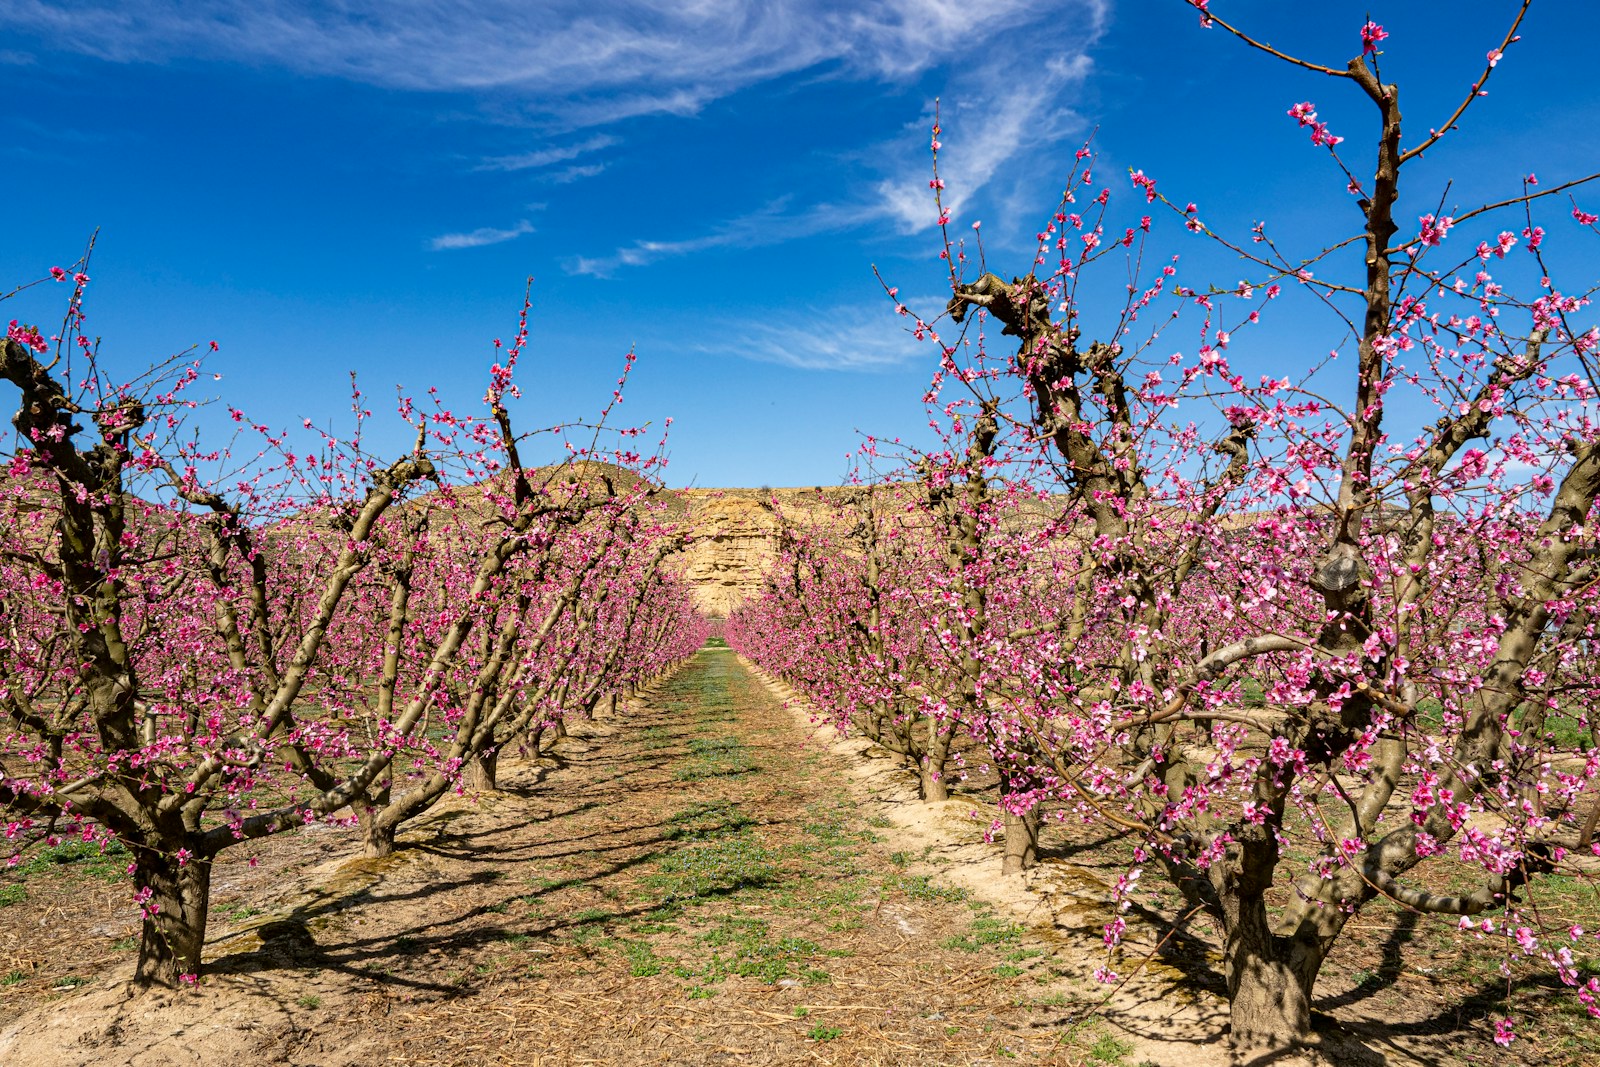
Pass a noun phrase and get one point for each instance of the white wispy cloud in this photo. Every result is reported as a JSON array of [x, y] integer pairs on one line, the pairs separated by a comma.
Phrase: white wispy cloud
[[545, 157], [865, 338], [571, 65], [574, 60], [991, 120], [567, 175], [484, 235], [773, 224]]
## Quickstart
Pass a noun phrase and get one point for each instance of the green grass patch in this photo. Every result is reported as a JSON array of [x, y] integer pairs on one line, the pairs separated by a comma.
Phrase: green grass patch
[[642, 960], [716, 757], [985, 930], [744, 946], [1109, 1049], [921, 887], [718, 866], [707, 820], [108, 864]]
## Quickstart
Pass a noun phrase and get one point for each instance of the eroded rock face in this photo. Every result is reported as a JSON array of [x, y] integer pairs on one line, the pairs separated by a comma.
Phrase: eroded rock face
[[734, 545], [734, 539]]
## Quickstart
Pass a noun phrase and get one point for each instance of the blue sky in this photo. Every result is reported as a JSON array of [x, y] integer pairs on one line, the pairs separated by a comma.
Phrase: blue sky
[[364, 186]]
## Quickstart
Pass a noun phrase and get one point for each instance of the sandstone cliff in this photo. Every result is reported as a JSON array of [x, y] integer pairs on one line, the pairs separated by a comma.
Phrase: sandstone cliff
[[734, 537]]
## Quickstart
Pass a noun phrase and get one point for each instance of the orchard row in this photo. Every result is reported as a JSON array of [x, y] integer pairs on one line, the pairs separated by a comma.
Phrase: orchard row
[[1306, 634], [200, 649]]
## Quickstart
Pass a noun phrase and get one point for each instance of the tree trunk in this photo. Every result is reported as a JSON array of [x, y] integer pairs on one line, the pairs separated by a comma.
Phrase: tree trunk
[[1270, 1000], [931, 781], [1269, 977], [1021, 841], [377, 834], [479, 773], [174, 929]]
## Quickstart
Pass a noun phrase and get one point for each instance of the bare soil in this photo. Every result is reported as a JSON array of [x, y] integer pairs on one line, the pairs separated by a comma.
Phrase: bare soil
[[703, 879]]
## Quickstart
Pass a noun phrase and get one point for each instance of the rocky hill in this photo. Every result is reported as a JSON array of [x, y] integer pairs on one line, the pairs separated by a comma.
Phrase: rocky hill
[[734, 540]]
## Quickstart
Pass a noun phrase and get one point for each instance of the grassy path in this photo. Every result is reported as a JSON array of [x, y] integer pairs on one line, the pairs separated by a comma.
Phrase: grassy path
[[691, 882], [702, 892]]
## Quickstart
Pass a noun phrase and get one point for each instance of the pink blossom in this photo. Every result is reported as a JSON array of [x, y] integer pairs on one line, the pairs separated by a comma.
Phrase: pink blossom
[[1434, 230], [1371, 35]]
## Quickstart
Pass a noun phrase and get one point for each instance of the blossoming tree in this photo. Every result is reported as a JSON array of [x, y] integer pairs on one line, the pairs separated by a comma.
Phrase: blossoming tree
[[192, 661], [1314, 640]]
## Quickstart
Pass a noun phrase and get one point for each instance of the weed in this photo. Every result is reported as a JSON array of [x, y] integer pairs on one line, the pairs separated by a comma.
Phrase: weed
[[642, 962], [1109, 1049], [920, 887], [801, 1013], [590, 936], [723, 865], [309, 1001], [1006, 970], [13, 977], [716, 757], [985, 930], [108, 864], [12, 894], [820, 1032], [832, 832], [705, 821]]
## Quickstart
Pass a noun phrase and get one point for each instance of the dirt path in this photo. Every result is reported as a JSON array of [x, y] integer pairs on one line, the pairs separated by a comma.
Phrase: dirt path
[[691, 882]]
